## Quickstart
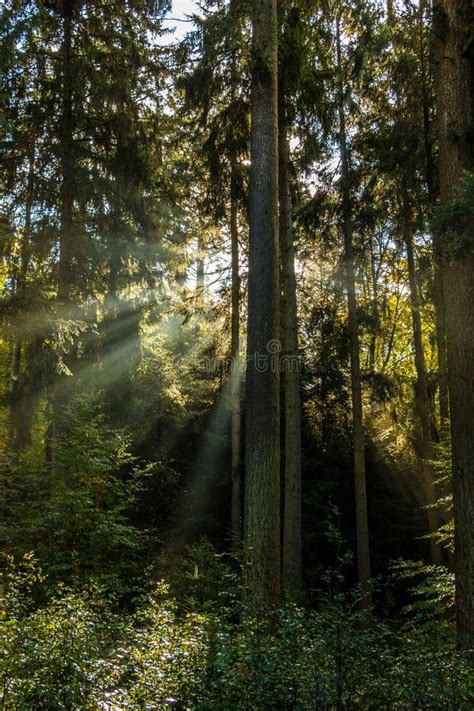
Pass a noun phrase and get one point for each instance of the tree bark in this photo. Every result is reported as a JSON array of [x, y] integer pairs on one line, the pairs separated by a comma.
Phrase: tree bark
[[375, 307], [60, 387], [292, 564], [236, 366], [362, 526], [262, 443], [14, 423], [440, 311], [438, 274], [200, 266], [422, 400], [19, 429], [453, 32], [67, 158], [236, 505]]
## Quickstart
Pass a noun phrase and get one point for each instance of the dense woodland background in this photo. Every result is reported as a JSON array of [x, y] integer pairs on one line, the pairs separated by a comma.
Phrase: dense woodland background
[[236, 406]]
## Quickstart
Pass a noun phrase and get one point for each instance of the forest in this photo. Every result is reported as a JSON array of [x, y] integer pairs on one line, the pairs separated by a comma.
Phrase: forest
[[237, 355]]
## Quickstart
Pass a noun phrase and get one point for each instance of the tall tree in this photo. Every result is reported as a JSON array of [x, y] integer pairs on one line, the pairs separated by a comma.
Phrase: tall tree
[[19, 419], [67, 153], [236, 505], [362, 525], [262, 441], [426, 81], [235, 409], [422, 400], [454, 53], [292, 561], [67, 150]]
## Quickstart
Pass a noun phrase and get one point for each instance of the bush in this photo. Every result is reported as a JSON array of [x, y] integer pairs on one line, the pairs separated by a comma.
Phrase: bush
[[76, 518], [333, 659], [52, 657], [75, 652], [163, 659]]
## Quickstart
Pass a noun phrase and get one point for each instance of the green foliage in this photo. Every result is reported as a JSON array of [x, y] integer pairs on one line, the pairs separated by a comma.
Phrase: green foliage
[[164, 657], [432, 587], [52, 657], [209, 580], [442, 468], [75, 653], [95, 500], [334, 658], [75, 515]]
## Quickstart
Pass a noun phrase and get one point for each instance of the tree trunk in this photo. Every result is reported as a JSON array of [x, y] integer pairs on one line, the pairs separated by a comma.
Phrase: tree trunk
[[236, 366], [362, 526], [453, 31], [19, 430], [200, 266], [438, 275], [440, 311], [292, 563], [375, 309], [14, 423], [262, 444], [60, 387], [422, 400], [67, 159], [236, 507]]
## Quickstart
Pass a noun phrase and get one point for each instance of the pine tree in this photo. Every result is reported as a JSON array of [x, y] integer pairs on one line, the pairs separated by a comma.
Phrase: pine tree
[[292, 576], [362, 526], [262, 412], [454, 31]]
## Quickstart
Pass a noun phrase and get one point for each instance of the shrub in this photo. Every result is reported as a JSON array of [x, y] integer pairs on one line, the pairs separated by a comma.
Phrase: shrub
[[52, 656], [73, 651]]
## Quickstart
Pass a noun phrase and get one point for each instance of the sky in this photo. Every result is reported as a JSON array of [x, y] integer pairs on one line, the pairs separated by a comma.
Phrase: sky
[[178, 13]]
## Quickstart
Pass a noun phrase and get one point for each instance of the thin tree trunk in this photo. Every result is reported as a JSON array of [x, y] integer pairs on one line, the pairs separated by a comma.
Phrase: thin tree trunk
[[426, 102], [422, 400], [438, 275], [66, 233], [438, 285], [262, 442], [375, 309], [25, 249], [236, 366], [200, 266], [67, 159], [362, 526], [453, 33], [440, 311], [292, 563], [236, 506], [19, 430], [13, 417]]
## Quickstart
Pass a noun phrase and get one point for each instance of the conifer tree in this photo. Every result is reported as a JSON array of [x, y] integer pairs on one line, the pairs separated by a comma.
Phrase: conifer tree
[[454, 56], [362, 526], [262, 411], [291, 405]]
